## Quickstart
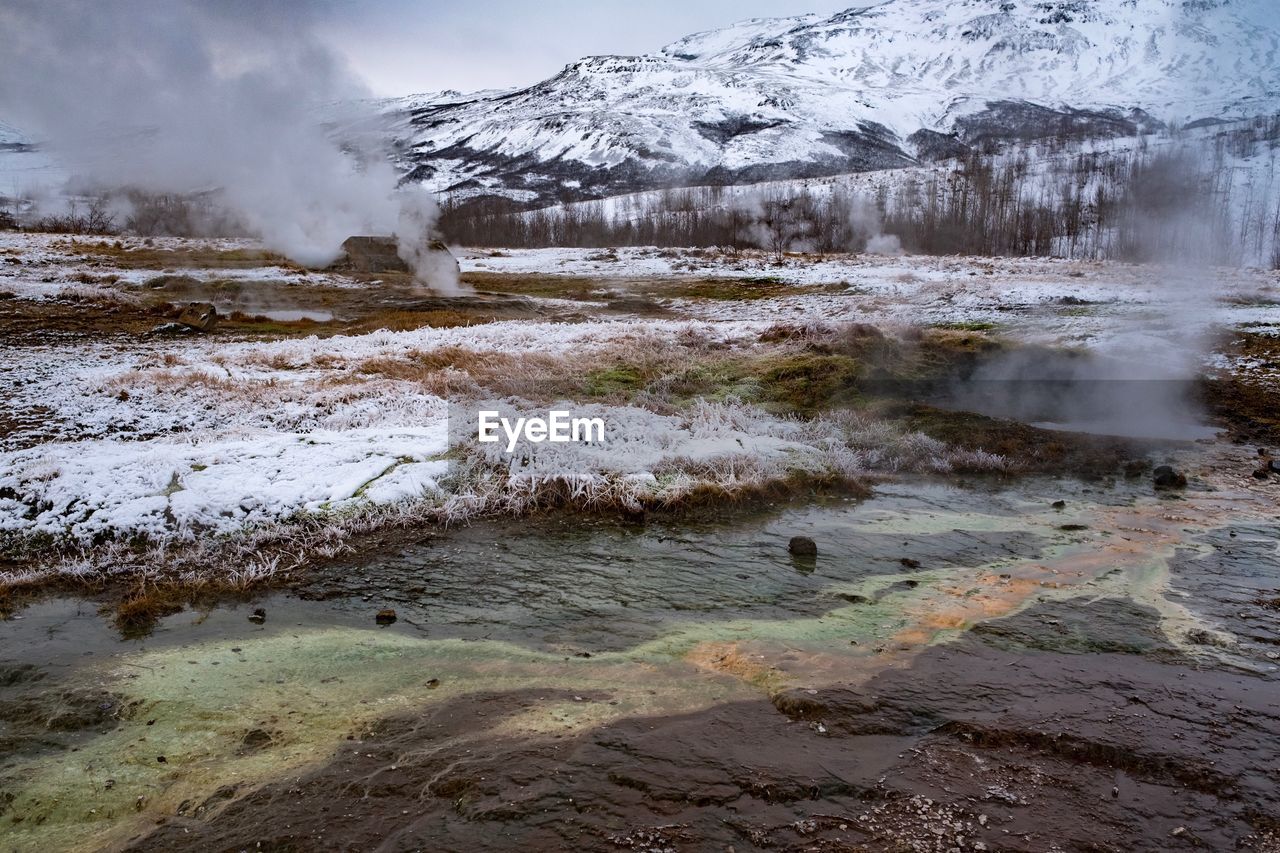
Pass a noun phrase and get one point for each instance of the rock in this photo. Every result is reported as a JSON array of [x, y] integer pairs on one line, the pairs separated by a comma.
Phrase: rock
[[433, 683], [199, 316], [802, 546], [1073, 528], [910, 563], [1262, 473], [1168, 477], [381, 254], [373, 254], [385, 617], [1059, 504], [258, 616]]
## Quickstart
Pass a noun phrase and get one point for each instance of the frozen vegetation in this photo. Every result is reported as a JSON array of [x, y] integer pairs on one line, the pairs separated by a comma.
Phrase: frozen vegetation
[[193, 442]]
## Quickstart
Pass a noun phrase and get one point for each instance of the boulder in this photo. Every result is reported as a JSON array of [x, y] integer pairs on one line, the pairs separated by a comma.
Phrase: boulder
[[802, 546], [200, 316], [1168, 477], [373, 254], [379, 254]]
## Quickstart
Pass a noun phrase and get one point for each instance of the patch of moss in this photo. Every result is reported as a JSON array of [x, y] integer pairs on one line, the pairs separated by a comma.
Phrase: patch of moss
[[809, 382], [610, 381]]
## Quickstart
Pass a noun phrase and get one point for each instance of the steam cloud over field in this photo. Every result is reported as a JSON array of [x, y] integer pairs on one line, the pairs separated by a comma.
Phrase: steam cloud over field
[[193, 97]]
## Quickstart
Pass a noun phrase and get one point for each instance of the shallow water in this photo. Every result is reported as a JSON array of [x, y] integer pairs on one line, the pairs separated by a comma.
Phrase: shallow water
[[608, 622]]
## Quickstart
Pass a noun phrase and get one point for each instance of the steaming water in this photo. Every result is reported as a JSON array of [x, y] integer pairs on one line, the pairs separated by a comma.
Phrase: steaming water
[[285, 315], [1168, 431], [663, 619]]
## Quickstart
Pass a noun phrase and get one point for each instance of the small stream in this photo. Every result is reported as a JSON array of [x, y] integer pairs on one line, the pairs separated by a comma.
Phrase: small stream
[[105, 736]]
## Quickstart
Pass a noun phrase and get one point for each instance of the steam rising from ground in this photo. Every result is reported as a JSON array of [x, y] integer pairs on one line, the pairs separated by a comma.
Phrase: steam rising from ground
[[187, 96], [1143, 381]]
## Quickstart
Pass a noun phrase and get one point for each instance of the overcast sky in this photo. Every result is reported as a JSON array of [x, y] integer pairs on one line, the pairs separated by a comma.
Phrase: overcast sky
[[407, 46]]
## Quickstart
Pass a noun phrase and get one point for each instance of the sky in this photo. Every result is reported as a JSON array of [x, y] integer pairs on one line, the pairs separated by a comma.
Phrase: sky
[[404, 47]]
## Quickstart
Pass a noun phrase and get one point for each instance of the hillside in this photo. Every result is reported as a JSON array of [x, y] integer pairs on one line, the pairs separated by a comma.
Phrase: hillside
[[886, 86]]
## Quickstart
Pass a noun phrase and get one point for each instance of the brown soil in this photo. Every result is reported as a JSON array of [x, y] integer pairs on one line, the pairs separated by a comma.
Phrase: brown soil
[[30, 323], [1250, 404]]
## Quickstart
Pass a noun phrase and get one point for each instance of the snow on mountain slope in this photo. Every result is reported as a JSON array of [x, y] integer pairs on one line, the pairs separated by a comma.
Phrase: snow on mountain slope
[[869, 88]]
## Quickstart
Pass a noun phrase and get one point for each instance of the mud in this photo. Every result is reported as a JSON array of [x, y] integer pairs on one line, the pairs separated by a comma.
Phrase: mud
[[1068, 745]]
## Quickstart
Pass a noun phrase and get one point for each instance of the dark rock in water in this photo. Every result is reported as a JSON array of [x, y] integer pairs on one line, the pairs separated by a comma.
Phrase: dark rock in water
[[802, 546], [1168, 477], [910, 563], [200, 316], [385, 617], [433, 683], [1262, 473], [258, 616], [1073, 528], [1059, 504]]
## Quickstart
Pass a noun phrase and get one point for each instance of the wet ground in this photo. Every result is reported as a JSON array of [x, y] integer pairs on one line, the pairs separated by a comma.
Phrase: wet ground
[[961, 667]]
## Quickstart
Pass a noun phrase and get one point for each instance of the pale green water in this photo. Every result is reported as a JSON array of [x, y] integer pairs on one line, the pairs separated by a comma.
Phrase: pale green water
[[661, 620]]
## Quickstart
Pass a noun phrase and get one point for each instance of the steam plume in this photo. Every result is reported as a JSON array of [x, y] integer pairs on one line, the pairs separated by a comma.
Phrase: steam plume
[[182, 96]]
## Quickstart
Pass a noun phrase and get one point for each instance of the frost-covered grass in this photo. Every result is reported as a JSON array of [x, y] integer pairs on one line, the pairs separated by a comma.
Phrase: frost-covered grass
[[203, 459], [201, 454], [255, 516]]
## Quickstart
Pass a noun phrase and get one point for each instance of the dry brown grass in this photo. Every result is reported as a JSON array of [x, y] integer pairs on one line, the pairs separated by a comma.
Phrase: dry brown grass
[[141, 256], [406, 321]]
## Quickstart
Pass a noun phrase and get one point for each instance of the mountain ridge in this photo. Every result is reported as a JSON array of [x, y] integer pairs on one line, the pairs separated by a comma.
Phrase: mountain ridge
[[877, 86]]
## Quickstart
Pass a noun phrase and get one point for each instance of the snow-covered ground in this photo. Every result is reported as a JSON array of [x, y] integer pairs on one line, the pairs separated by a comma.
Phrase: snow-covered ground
[[1053, 301], [192, 437]]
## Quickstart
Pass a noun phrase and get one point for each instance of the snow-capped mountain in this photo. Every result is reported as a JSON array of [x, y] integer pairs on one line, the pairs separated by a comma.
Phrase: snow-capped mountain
[[880, 86]]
